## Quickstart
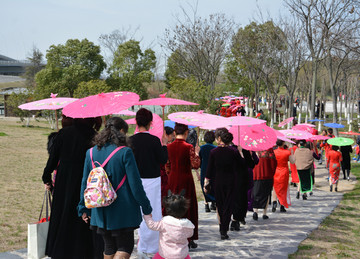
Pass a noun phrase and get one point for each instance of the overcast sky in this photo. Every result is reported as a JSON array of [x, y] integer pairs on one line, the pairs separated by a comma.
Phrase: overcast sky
[[41, 23]]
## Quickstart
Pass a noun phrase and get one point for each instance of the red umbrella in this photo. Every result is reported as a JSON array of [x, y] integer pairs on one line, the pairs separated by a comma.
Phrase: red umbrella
[[286, 121], [350, 133], [163, 101], [101, 104], [254, 137]]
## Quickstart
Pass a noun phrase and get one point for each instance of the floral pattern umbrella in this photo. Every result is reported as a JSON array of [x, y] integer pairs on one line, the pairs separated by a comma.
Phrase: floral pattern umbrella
[[318, 137], [101, 104], [254, 137], [282, 137], [296, 134], [199, 119], [53, 103], [243, 121]]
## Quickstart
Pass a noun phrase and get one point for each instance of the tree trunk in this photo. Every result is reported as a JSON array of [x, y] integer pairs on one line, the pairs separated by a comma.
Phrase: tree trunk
[[313, 90]]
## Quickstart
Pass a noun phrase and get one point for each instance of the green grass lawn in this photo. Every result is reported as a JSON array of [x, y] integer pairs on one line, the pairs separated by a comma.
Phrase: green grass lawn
[[338, 236]]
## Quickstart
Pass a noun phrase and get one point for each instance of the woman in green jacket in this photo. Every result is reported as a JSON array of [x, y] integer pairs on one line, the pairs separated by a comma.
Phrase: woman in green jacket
[[116, 222]]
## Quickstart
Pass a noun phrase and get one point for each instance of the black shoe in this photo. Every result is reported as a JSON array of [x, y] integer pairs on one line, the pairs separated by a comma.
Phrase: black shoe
[[213, 206], [295, 185], [274, 206], [265, 217], [330, 188], [192, 244], [344, 177], [235, 226], [207, 208], [297, 195], [282, 208], [311, 193], [224, 236], [304, 196], [243, 221], [255, 216], [335, 189]]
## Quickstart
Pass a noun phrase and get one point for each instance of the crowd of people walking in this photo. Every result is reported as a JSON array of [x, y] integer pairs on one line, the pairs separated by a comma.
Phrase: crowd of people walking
[[156, 189]]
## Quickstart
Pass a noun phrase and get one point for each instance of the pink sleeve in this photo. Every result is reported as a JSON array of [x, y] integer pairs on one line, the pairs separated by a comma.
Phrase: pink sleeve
[[153, 225]]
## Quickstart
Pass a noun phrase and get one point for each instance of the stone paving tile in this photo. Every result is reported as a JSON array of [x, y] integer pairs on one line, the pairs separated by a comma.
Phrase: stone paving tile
[[276, 237]]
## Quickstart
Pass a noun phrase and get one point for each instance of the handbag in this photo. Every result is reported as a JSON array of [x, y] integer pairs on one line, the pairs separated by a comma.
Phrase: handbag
[[37, 232]]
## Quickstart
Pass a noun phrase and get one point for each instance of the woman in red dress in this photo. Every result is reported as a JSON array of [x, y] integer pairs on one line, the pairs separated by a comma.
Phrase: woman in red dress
[[281, 177], [294, 173], [182, 158], [334, 164]]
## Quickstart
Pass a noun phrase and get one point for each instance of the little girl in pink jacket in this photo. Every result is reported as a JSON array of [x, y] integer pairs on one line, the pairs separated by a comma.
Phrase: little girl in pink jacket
[[174, 230]]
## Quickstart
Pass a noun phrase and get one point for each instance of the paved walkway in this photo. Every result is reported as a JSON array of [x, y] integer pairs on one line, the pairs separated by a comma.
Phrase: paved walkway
[[276, 237]]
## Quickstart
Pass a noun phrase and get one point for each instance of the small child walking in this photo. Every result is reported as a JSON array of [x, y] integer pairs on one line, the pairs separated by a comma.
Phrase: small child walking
[[174, 230]]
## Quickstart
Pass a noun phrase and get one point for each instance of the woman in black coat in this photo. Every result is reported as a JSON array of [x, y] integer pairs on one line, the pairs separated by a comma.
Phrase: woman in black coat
[[69, 236], [345, 163]]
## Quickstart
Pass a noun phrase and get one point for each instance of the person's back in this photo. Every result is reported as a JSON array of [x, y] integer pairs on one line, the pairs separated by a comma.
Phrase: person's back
[[149, 154]]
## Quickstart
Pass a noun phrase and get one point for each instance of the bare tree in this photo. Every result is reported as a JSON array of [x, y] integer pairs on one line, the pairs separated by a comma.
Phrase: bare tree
[[198, 46], [110, 42], [305, 10]]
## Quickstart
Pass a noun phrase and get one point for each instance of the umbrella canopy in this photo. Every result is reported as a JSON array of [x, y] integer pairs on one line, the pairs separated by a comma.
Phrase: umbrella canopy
[[199, 119], [126, 112], [350, 133], [286, 121], [163, 101], [243, 121], [225, 104], [296, 134], [254, 137], [282, 137], [101, 104], [340, 141], [303, 127], [314, 120], [334, 125], [156, 127], [53, 103], [318, 137]]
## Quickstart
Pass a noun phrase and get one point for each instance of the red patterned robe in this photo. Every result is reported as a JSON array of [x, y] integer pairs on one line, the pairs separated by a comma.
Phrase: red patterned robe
[[182, 159]]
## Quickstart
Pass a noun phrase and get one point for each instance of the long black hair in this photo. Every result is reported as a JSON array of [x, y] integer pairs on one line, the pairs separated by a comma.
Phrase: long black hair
[[112, 134]]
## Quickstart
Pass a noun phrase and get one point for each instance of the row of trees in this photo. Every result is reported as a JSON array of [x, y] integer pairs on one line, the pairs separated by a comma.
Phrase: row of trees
[[312, 49]]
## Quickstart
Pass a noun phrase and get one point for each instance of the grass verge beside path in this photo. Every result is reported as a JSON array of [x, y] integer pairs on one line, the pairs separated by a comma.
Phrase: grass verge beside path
[[338, 236], [23, 157]]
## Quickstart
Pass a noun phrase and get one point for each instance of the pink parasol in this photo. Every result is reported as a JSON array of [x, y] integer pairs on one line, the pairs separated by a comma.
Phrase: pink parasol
[[304, 127], [156, 127], [243, 121], [296, 134], [163, 101], [199, 119], [286, 121], [350, 133], [254, 137], [282, 137], [318, 137], [52, 103], [126, 112], [101, 104]]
